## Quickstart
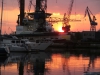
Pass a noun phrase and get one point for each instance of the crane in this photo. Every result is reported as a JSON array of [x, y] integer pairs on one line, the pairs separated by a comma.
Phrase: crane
[[92, 20], [66, 19], [41, 15]]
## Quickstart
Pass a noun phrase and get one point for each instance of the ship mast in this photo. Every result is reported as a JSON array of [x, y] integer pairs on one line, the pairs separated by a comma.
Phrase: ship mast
[[1, 18], [22, 7]]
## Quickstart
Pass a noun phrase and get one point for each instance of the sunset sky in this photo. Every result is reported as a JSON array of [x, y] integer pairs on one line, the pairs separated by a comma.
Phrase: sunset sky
[[58, 8]]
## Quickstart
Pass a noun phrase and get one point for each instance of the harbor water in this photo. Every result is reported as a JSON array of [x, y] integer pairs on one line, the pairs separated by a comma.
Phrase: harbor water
[[49, 63]]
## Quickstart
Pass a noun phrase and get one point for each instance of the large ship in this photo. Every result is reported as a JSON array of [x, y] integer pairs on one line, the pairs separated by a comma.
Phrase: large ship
[[35, 25]]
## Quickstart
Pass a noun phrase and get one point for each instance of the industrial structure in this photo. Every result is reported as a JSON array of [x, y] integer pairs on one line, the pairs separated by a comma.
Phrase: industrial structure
[[33, 21], [66, 19], [40, 20], [93, 24]]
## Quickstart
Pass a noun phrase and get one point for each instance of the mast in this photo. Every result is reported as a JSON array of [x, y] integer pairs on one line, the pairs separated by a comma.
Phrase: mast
[[1, 18], [66, 19], [22, 7]]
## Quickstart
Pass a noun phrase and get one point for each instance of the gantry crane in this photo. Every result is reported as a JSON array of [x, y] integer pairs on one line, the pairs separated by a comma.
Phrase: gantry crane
[[93, 24], [66, 18]]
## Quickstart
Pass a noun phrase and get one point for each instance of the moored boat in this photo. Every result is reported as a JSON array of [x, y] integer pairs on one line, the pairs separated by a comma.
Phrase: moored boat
[[39, 45], [16, 44]]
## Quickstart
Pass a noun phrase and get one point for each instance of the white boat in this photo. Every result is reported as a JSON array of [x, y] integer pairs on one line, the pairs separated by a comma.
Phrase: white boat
[[40, 45], [16, 44]]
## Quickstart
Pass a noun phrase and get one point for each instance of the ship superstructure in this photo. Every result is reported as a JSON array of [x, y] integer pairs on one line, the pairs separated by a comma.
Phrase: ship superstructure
[[30, 25], [34, 21], [40, 20], [39, 24]]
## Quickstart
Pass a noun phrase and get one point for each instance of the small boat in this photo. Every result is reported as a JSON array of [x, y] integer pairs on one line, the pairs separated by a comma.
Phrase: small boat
[[40, 45], [16, 44]]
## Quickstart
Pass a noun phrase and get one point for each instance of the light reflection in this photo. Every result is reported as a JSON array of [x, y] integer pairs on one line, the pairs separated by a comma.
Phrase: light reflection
[[45, 64]]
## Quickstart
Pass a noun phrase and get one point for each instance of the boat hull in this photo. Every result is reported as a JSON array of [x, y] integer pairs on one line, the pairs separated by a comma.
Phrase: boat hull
[[41, 46], [3, 51], [18, 49]]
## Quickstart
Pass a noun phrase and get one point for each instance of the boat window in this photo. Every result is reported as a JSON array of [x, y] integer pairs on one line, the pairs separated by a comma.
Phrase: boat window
[[17, 41], [22, 41], [13, 41], [41, 41], [37, 41]]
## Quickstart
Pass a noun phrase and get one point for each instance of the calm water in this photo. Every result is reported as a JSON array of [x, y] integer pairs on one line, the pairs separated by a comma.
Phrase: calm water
[[42, 63]]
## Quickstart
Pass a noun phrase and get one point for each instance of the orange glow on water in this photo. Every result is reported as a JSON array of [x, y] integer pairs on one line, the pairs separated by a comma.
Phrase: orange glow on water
[[59, 64], [71, 62]]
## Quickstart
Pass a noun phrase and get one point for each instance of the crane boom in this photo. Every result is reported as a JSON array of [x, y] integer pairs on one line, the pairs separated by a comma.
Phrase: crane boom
[[92, 21], [66, 19], [70, 10]]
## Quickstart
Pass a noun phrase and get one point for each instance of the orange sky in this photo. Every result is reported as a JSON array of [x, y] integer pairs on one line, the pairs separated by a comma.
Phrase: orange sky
[[11, 11], [10, 18]]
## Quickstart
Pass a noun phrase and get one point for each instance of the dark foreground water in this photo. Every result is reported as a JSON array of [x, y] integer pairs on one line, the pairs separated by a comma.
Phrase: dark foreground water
[[41, 63]]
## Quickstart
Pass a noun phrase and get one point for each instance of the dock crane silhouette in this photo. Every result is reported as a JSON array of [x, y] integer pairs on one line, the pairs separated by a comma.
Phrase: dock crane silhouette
[[66, 18], [93, 24]]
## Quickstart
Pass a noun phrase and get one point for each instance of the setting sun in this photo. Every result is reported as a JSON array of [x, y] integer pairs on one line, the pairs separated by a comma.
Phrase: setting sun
[[60, 29]]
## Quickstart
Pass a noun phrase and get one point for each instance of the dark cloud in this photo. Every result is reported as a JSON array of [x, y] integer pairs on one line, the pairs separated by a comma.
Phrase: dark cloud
[[79, 6], [60, 6]]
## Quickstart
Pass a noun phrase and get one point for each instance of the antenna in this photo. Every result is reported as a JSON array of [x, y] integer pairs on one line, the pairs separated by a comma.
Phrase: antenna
[[1, 18]]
